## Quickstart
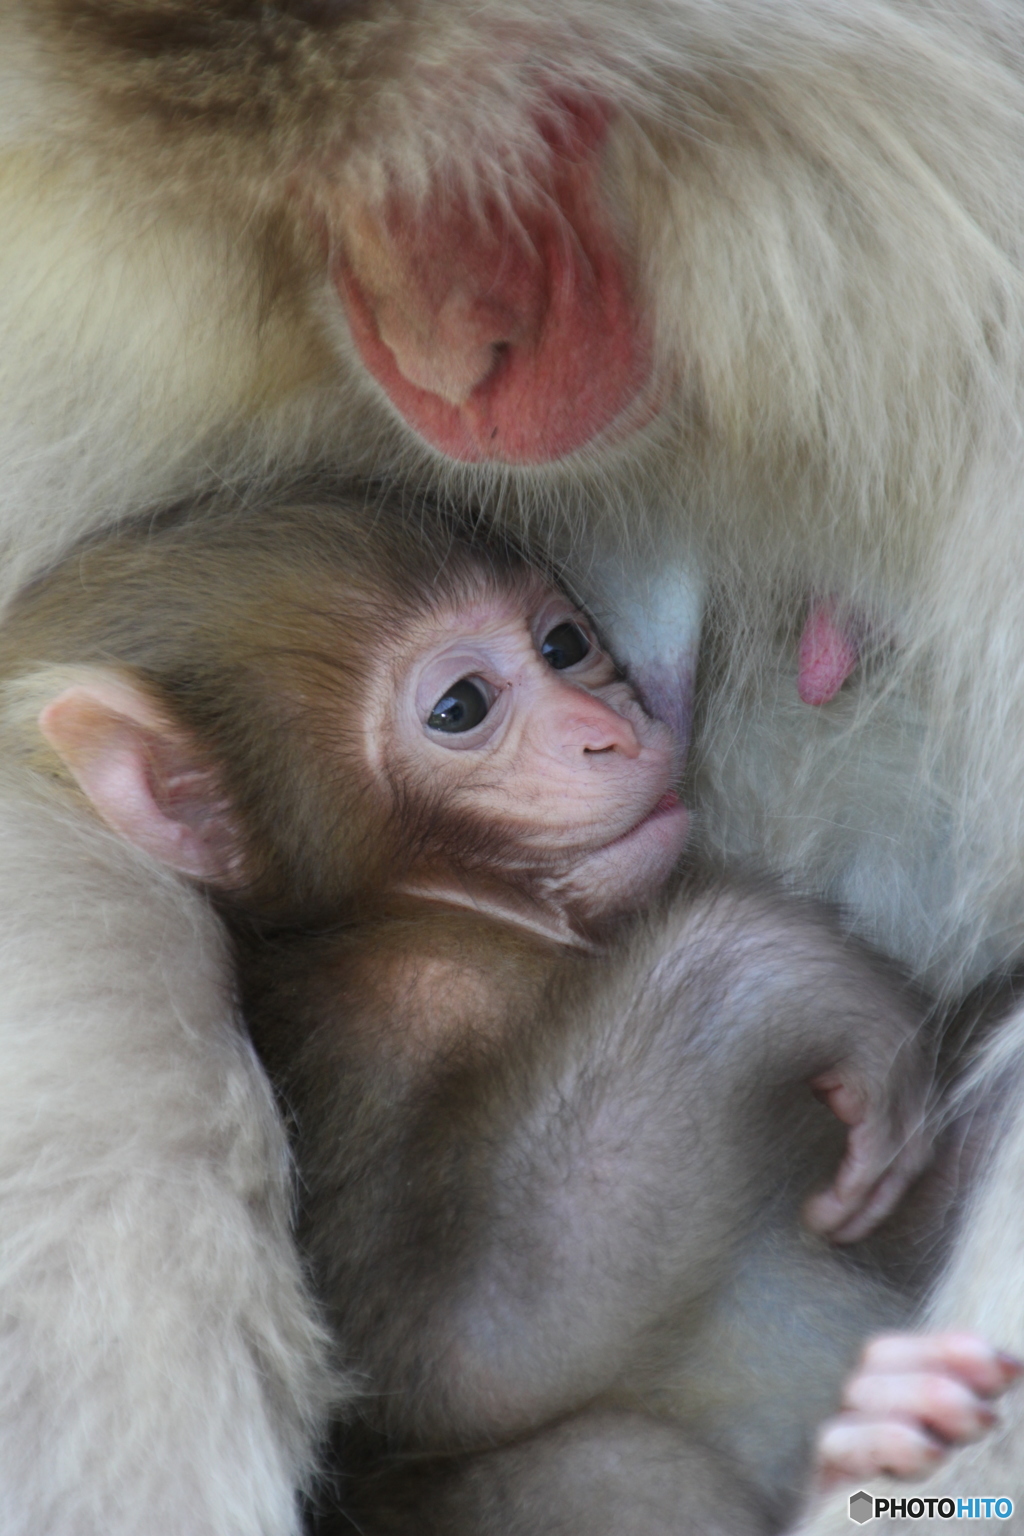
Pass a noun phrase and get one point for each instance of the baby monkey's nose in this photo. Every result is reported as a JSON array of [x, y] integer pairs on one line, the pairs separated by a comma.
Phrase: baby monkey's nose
[[596, 727]]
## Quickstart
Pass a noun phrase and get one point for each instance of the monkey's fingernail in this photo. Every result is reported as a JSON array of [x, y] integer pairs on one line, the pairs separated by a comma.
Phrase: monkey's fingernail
[[1009, 1363]]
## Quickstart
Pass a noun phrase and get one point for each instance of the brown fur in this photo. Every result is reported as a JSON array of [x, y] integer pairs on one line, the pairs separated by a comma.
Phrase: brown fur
[[548, 1188], [472, 1111], [820, 208]]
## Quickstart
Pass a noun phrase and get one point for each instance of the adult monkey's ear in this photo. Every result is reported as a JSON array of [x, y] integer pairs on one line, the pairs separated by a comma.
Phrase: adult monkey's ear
[[144, 776]]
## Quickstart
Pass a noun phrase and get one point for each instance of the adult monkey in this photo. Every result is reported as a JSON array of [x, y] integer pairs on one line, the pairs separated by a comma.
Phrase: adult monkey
[[782, 245], [719, 280]]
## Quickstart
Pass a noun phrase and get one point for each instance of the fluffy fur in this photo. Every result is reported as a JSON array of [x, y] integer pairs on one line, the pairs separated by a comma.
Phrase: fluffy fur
[[581, 1174], [157, 1337], [822, 203], [823, 206]]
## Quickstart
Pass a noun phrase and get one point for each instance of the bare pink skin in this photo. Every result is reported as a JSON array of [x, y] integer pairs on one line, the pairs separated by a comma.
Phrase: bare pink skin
[[912, 1399], [569, 760], [507, 333], [827, 655]]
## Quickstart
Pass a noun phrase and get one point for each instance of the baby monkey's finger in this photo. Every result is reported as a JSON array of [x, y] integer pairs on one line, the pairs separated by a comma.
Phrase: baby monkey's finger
[[964, 1356], [944, 1405], [856, 1446]]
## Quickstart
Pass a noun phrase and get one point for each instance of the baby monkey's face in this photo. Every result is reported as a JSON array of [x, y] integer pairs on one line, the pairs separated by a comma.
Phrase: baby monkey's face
[[507, 711]]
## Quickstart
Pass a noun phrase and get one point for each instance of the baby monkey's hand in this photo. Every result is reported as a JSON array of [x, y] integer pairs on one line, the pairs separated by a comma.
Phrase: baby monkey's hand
[[889, 1144], [910, 1401]]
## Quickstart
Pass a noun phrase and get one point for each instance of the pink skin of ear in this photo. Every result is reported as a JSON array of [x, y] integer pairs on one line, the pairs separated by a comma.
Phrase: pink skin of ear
[[117, 746], [827, 655]]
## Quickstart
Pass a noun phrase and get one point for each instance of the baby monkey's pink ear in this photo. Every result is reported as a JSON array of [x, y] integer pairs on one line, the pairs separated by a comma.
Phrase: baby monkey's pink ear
[[145, 777]]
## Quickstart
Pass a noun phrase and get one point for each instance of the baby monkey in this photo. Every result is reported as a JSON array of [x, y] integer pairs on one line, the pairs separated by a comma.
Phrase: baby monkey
[[562, 1121]]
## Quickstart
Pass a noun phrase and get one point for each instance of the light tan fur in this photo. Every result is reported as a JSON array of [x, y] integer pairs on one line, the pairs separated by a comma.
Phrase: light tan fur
[[824, 203], [826, 217], [160, 1361]]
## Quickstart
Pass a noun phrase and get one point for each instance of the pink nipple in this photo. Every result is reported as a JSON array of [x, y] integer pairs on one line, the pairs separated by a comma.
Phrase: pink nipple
[[826, 656]]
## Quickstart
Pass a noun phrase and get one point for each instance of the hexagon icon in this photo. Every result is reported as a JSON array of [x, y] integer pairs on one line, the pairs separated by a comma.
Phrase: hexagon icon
[[862, 1506]]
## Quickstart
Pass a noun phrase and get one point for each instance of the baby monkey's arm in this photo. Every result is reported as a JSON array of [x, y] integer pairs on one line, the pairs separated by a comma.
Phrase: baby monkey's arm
[[536, 1190]]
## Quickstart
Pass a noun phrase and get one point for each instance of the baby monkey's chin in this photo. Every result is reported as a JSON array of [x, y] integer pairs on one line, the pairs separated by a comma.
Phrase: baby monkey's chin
[[633, 867]]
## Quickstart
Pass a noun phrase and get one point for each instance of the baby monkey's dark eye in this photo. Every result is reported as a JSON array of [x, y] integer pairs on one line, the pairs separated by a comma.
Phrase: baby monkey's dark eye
[[462, 707], [564, 646]]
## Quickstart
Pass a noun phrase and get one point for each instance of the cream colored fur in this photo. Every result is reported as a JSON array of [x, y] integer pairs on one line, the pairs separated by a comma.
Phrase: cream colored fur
[[826, 200], [159, 1358]]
